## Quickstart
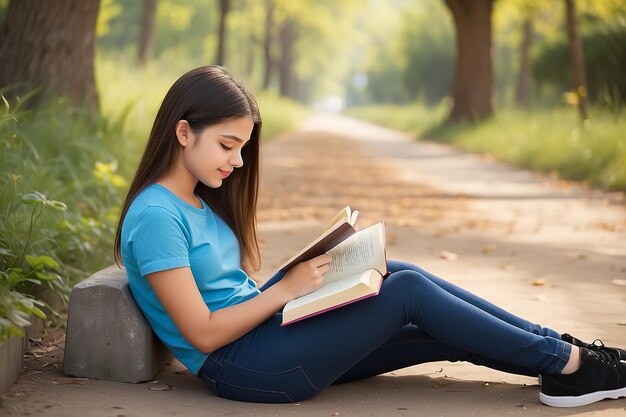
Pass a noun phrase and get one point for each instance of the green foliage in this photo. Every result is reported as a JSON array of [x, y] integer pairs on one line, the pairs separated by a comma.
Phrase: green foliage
[[411, 54], [279, 114], [132, 94], [4, 4], [59, 198], [22, 275], [551, 139], [604, 49], [428, 44], [185, 30]]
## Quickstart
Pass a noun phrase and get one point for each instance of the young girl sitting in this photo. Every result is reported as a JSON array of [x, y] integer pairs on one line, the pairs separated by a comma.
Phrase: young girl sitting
[[187, 237]]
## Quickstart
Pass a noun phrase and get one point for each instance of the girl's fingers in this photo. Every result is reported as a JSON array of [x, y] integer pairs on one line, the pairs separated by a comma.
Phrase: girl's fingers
[[324, 268], [323, 259]]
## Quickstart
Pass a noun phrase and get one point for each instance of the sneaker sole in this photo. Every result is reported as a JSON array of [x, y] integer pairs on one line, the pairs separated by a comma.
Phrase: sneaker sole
[[592, 397]]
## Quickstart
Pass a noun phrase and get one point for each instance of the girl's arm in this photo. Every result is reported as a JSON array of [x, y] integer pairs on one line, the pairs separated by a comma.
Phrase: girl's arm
[[207, 331]]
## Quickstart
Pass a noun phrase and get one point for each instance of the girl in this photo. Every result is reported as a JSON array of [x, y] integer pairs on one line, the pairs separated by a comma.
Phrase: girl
[[187, 237]]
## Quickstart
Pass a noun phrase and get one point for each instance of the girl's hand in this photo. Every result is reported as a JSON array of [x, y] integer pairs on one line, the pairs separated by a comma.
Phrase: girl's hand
[[306, 276]]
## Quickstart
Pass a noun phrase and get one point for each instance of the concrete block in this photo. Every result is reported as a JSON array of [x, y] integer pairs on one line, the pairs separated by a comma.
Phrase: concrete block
[[108, 337]]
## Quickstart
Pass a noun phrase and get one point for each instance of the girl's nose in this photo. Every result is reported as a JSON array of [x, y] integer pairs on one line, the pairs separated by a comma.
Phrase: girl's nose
[[237, 161]]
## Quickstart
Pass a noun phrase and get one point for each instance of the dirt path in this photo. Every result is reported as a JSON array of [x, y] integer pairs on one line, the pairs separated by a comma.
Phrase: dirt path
[[545, 249]]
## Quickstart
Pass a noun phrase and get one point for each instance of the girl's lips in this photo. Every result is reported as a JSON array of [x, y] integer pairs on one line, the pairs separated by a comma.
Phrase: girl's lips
[[224, 173]]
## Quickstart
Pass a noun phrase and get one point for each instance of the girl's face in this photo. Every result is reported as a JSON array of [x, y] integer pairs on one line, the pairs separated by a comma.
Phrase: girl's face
[[214, 153]]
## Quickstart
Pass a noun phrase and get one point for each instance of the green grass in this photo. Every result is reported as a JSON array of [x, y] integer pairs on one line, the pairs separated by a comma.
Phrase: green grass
[[547, 139], [279, 114], [136, 93]]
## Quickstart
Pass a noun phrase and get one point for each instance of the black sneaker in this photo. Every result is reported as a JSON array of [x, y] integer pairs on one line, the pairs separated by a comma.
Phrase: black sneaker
[[601, 375], [596, 345]]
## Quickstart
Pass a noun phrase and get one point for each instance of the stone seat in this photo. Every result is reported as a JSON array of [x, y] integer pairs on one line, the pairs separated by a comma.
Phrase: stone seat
[[108, 337]]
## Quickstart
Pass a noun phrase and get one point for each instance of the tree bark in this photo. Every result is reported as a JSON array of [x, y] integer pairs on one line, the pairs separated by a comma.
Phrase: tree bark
[[577, 59], [221, 35], [522, 96], [472, 90], [287, 39], [50, 46], [267, 43], [146, 36]]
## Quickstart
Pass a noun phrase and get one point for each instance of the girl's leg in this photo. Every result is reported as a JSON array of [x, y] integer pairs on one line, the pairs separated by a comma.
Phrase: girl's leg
[[396, 266], [280, 364], [411, 346]]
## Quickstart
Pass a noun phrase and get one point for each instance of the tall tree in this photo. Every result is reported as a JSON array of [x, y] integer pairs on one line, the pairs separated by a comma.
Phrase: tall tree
[[225, 6], [50, 46], [287, 38], [472, 89], [268, 40], [146, 34], [522, 96], [577, 58]]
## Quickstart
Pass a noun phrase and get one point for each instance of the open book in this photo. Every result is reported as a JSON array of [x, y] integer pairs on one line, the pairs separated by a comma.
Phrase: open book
[[358, 265]]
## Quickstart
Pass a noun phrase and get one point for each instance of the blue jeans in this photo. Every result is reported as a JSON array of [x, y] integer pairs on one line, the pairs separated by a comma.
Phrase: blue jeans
[[416, 318]]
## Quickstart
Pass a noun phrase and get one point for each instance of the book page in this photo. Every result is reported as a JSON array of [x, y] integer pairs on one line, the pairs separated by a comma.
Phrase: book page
[[363, 250], [343, 215], [353, 217], [326, 290]]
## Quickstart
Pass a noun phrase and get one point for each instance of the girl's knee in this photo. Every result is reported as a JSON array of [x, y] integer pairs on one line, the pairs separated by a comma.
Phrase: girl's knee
[[409, 281], [398, 266]]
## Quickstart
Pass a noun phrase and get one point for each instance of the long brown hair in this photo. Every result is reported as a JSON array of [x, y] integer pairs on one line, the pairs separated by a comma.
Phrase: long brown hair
[[203, 97]]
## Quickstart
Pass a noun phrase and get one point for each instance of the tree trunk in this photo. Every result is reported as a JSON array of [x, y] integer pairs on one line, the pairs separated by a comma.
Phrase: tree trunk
[[50, 46], [577, 59], [146, 36], [472, 90], [287, 39], [221, 36], [267, 43], [523, 77]]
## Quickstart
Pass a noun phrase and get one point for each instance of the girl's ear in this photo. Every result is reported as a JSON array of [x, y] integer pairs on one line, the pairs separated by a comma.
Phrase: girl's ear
[[183, 131]]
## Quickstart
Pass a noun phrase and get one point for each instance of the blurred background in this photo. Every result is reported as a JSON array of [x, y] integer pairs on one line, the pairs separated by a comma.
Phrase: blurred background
[[540, 84]]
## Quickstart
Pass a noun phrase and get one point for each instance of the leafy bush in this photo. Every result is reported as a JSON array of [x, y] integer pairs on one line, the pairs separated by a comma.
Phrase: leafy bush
[[604, 50], [21, 275], [52, 154]]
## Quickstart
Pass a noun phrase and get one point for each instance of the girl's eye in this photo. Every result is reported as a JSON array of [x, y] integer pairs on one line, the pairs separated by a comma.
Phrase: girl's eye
[[225, 147]]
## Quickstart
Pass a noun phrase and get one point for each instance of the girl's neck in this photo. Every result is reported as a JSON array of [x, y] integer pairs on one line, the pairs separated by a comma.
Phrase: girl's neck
[[183, 191], [180, 182]]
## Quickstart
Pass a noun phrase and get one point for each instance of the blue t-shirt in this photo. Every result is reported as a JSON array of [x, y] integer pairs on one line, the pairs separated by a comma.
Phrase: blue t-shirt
[[160, 232]]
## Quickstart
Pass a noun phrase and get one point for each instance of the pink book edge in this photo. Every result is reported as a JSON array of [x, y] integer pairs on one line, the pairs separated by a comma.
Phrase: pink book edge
[[335, 306]]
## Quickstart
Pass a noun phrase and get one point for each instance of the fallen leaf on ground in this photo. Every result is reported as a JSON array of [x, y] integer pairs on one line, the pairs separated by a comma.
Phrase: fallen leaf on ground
[[450, 256], [539, 282], [489, 248], [167, 387], [74, 381]]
